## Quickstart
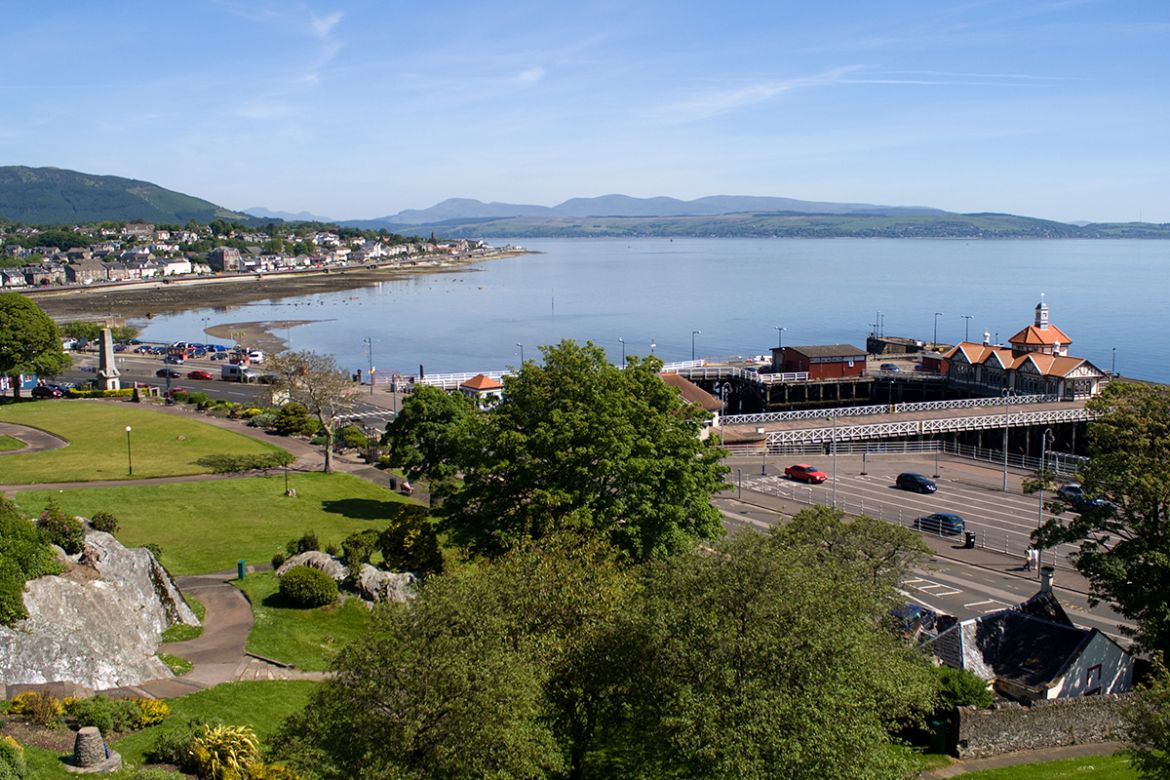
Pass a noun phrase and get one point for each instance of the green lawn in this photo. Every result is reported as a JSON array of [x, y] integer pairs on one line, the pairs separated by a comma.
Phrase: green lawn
[[160, 444], [7, 443], [207, 526], [307, 638], [1113, 767]]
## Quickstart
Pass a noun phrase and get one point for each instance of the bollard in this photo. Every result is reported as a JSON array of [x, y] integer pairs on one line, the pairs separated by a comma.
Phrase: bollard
[[241, 569]]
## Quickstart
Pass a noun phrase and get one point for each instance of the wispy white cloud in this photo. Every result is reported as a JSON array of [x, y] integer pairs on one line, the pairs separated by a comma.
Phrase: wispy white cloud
[[300, 20], [322, 26], [716, 102], [530, 75]]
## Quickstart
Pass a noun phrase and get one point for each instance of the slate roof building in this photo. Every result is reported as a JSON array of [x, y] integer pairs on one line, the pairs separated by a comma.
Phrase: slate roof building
[[1033, 652]]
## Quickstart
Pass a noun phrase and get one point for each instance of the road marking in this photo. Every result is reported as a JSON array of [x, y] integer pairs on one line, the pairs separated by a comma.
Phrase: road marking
[[933, 588], [979, 603]]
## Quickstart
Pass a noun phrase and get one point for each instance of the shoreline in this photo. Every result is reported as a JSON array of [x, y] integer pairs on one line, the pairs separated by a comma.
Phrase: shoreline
[[124, 301]]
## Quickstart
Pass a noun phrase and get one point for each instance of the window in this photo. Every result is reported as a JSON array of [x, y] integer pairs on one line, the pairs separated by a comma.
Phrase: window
[[1093, 680]]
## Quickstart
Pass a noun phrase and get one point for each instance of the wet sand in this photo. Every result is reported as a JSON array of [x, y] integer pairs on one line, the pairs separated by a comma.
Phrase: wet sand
[[124, 301], [261, 334]]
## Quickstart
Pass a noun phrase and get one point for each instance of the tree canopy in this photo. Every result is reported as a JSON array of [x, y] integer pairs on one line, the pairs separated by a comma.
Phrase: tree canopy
[[759, 658], [1124, 546], [575, 443], [29, 341], [425, 439]]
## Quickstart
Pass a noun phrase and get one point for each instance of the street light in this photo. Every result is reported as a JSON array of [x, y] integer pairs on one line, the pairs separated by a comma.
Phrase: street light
[[623, 341], [521, 353], [693, 334], [834, 446], [1113, 366], [779, 336], [1045, 440], [129, 457], [652, 346], [1007, 394], [369, 342], [937, 314], [967, 326]]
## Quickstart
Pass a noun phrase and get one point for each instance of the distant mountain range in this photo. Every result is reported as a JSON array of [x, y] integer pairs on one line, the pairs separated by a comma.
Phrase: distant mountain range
[[55, 196], [43, 196], [625, 206]]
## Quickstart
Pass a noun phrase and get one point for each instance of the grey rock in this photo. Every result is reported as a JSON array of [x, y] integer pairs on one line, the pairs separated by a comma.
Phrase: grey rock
[[377, 585], [317, 560], [97, 625]]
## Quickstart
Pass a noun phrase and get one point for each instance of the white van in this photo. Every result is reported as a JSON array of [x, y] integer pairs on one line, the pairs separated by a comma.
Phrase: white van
[[236, 373]]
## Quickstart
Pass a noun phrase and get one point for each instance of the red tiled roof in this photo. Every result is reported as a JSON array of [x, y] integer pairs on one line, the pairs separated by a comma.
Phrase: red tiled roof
[[481, 382], [1033, 336]]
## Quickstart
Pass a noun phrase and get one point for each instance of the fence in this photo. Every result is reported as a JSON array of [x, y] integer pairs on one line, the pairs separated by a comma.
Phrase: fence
[[875, 409]]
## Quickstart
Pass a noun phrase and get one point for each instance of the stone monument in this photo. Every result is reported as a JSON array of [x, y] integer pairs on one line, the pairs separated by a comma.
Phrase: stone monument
[[90, 754], [108, 372]]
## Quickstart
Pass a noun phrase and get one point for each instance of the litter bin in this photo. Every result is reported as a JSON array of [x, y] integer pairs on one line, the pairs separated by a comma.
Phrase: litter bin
[[241, 569], [969, 544], [393, 483]]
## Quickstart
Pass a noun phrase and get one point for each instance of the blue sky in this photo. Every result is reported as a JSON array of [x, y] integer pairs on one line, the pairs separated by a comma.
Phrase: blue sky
[[1057, 109]]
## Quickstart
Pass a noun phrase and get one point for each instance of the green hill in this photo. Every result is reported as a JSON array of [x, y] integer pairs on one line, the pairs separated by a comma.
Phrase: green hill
[[55, 196]]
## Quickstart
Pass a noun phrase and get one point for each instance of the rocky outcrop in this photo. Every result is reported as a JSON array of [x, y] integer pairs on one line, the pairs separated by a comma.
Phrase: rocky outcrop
[[371, 583], [316, 560], [377, 585], [98, 624]]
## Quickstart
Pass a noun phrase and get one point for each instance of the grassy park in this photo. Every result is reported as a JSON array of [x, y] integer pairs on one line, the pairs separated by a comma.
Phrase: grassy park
[[307, 638], [8, 444], [207, 526], [160, 445]]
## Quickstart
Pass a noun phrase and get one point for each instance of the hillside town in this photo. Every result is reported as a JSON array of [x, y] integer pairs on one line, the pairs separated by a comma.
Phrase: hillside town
[[88, 255]]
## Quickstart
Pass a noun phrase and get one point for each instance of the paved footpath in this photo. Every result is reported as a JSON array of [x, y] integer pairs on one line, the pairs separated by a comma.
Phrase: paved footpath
[[1022, 757]]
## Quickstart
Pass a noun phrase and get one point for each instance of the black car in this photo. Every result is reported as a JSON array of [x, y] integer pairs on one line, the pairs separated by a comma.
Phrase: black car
[[943, 523], [916, 483], [165, 372], [1074, 494]]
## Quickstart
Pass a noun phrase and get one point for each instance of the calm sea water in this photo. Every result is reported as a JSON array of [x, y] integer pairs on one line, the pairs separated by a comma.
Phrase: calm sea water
[[1103, 294]]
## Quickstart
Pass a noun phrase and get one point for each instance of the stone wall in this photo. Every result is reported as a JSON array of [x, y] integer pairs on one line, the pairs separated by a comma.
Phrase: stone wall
[[1012, 727]]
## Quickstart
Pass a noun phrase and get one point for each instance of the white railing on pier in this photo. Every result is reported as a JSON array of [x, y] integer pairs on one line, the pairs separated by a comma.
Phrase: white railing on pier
[[736, 372], [682, 366], [875, 409], [452, 381]]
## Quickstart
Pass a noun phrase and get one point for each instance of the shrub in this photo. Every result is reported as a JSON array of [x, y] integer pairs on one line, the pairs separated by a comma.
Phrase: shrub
[[331, 549], [104, 521], [22, 544], [109, 715], [251, 412], [259, 771], [961, 688], [76, 392], [306, 543], [224, 752], [278, 560], [410, 543], [304, 586], [358, 547], [199, 398], [351, 437], [172, 743], [151, 712], [264, 420], [38, 707], [154, 549], [293, 419], [60, 529], [11, 758], [12, 609]]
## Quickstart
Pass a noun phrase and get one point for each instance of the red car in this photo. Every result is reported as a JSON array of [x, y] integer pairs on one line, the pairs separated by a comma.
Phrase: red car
[[199, 373], [805, 473]]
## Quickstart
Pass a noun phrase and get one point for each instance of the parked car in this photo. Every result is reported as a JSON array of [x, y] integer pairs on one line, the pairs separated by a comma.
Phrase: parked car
[[199, 373], [142, 349], [47, 391], [1074, 494], [805, 473], [176, 360], [199, 352], [916, 483], [176, 389], [891, 368], [943, 523], [171, 372], [219, 356], [119, 347]]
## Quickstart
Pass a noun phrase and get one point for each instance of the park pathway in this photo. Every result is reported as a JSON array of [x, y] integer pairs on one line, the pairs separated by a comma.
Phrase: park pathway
[[34, 439]]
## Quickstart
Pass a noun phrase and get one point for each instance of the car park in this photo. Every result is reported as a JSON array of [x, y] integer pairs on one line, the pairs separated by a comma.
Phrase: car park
[[168, 372], [943, 523], [47, 391], [199, 373], [803, 472], [916, 483]]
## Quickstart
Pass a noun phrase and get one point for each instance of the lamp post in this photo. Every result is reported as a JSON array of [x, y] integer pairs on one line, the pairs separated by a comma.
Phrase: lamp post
[[779, 336], [833, 418], [693, 334], [1007, 394], [1045, 440], [521, 346], [934, 341], [652, 346], [967, 326], [369, 342], [1113, 365], [129, 456], [623, 341]]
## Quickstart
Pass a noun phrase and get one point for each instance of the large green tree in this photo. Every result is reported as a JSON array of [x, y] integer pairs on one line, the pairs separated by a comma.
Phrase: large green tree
[[579, 444], [426, 439], [1147, 717], [1124, 546], [29, 341], [773, 661]]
